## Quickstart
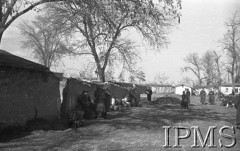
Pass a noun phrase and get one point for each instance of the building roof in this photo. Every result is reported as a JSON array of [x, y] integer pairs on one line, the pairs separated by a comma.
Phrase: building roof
[[158, 85], [9, 60], [230, 84], [206, 86], [177, 85]]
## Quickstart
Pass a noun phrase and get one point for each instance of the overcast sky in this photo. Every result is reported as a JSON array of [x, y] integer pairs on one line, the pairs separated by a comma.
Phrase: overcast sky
[[202, 25]]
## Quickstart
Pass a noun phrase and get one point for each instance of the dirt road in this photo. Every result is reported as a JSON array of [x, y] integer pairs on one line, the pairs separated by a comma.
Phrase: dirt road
[[140, 129]]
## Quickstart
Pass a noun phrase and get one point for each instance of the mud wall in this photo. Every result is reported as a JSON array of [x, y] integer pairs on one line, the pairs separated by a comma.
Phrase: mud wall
[[28, 94], [72, 90]]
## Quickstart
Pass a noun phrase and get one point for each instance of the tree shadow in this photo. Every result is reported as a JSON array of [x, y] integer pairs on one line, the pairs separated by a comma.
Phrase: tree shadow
[[153, 117]]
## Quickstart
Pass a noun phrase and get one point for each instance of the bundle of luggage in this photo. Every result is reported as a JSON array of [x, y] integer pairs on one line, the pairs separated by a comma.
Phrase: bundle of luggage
[[227, 101], [120, 105]]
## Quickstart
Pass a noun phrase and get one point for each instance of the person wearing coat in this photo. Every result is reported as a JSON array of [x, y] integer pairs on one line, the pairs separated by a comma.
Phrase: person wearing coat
[[107, 102], [184, 102], [149, 94], [100, 98], [211, 97], [188, 93], [237, 106], [203, 96]]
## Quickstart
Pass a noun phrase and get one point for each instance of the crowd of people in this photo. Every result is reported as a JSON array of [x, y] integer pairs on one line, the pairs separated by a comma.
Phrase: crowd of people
[[99, 106], [186, 98], [235, 101]]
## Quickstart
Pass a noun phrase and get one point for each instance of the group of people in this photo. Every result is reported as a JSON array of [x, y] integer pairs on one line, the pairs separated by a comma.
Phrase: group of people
[[100, 105], [186, 98], [211, 94], [211, 97], [102, 102]]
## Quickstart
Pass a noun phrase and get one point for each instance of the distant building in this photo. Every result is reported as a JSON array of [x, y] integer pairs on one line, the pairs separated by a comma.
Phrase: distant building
[[226, 88], [207, 88], [179, 88], [28, 90], [141, 88], [161, 88]]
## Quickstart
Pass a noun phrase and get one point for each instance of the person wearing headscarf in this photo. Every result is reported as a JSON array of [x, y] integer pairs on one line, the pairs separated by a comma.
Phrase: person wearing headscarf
[[211, 97], [203, 96]]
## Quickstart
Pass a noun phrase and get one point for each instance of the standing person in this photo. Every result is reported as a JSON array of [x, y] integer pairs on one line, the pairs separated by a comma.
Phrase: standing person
[[88, 106], [237, 105], [99, 100], [188, 96], [107, 102], [136, 95], [184, 102], [149, 93], [203, 96], [211, 97], [233, 92]]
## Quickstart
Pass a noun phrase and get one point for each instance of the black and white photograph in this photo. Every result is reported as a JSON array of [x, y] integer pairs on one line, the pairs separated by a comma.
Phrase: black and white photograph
[[119, 75]]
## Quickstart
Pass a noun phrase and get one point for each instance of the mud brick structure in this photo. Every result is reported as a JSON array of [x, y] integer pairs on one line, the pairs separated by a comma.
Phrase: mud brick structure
[[27, 90]]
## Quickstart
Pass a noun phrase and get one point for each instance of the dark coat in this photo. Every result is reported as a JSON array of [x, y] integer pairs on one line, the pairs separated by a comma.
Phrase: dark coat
[[211, 97], [100, 97], [203, 96], [149, 94], [237, 105]]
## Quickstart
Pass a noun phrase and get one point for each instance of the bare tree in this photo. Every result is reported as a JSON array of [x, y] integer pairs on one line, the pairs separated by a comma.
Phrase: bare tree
[[187, 80], [87, 72], [140, 76], [44, 39], [110, 73], [121, 77], [230, 43], [219, 67], [132, 79], [195, 66], [161, 78], [101, 24], [209, 67], [10, 10]]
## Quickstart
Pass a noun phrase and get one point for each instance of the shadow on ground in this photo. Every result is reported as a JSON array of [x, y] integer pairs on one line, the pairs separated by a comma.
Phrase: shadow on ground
[[154, 115], [137, 129]]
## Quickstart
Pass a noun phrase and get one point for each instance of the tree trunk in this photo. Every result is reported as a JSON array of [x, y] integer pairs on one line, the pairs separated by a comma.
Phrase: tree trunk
[[233, 82], [101, 74], [1, 34], [200, 81]]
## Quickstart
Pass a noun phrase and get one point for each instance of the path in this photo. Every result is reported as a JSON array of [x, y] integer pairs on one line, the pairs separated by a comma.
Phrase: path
[[139, 129]]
